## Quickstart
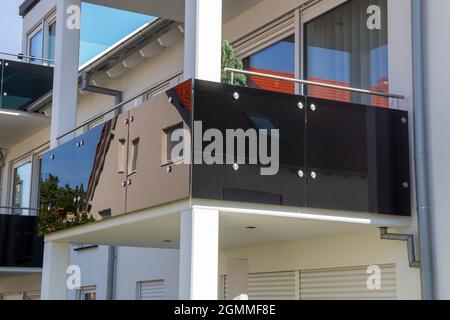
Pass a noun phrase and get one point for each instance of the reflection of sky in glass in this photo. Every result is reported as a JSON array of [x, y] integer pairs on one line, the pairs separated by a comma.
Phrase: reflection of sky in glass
[[379, 64], [101, 27], [329, 64], [73, 165], [278, 57]]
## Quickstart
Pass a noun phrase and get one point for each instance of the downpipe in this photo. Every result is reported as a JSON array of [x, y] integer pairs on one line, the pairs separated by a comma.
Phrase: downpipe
[[86, 86], [112, 250], [422, 192], [409, 238]]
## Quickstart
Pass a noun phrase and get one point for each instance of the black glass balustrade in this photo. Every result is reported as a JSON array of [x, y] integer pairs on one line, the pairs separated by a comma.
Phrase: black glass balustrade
[[21, 83], [20, 245], [331, 155]]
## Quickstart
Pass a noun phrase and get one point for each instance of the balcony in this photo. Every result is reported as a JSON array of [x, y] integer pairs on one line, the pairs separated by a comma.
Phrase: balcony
[[332, 155], [20, 246], [23, 83]]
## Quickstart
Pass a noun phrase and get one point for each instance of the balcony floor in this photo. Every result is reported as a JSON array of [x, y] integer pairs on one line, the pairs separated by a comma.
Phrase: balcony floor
[[152, 227]]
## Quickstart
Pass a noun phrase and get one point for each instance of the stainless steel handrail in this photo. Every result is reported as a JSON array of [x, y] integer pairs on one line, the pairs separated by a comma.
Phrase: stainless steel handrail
[[118, 106], [313, 83], [22, 56]]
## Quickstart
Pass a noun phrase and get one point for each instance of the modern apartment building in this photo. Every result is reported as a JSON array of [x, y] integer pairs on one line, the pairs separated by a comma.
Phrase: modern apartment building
[[356, 208]]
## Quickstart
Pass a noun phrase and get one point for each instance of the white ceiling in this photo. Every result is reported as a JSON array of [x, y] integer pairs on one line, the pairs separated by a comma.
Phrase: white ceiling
[[15, 126], [154, 231], [174, 9]]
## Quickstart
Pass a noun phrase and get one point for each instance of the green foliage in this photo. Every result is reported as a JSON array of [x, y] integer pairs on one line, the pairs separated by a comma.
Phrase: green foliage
[[62, 207], [229, 60], [57, 219]]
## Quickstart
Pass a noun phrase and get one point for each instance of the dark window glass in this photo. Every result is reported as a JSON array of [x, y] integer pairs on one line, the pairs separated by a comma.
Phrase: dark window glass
[[341, 49], [277, 59]]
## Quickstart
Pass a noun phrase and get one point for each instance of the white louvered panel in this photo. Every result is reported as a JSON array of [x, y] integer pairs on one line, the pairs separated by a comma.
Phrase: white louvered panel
[[268, 286], [12, 296], [346, 284], [32, 295], [152, 290]]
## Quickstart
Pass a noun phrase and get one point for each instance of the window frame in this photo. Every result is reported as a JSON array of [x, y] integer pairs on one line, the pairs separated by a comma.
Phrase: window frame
[[14, 166], [315, 11], [43, 25], [33, 157], [86, 290]]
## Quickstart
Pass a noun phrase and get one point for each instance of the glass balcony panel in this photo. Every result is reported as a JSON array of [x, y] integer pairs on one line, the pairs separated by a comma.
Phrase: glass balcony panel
[[20, 246], [224, 107], [357, 158], [23, 83], [86, 175], [157, 173]]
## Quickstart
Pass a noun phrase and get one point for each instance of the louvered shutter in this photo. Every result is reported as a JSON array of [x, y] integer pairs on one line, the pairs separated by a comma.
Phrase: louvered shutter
[[268, 286], [12, 296], [151, 290], [265, 36], [346, 284]]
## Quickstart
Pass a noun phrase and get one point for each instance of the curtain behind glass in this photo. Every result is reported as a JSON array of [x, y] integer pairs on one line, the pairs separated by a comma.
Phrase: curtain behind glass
[[342, 50]]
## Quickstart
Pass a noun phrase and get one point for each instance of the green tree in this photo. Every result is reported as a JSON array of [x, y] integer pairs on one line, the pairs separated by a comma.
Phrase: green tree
[[229, 60]]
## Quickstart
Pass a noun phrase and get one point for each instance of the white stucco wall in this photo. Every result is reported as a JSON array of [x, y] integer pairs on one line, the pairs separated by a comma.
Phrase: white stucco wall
[[331, 252], [437, 105], [20, 283]]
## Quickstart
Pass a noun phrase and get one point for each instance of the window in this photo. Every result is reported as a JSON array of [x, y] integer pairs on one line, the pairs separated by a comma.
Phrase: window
[[87, 293], [41, 41], [22, 188], [151, 290], [276, 59], [24, 183], [340, 49], [36, 42]]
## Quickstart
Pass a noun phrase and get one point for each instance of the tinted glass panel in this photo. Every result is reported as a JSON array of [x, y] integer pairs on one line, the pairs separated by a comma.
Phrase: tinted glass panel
[[277, 59], [102, 27], [357, 158], [216, 108], [24, 83], [85, 175], [341, 49], [19, 244]]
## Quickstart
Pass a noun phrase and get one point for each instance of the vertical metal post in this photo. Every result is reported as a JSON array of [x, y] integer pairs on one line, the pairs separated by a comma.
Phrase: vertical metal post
[[423, 207]]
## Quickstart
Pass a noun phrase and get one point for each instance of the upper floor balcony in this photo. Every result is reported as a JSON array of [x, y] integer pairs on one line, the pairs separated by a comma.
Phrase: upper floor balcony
[[218, 142], [21, 85]]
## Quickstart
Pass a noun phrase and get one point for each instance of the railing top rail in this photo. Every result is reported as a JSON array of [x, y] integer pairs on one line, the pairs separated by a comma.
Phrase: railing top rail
[[24, 56], [318, 84]]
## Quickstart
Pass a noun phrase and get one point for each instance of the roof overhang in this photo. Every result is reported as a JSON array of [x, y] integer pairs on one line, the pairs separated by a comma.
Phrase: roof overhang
[[16, 126], [174, 9]]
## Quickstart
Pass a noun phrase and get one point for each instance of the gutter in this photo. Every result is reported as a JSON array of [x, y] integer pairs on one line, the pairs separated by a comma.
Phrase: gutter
[[422, 192]]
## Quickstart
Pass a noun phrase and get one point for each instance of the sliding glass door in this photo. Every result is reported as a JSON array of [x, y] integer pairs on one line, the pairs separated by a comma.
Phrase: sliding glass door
[[348, 46]]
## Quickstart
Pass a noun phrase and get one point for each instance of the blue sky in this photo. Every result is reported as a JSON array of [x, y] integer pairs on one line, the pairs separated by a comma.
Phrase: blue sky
[[101, 27], [10, 40]]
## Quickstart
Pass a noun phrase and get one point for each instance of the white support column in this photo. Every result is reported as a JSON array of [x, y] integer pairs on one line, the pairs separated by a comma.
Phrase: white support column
[[203, 39], [237, 274], [65, 80], [199, 255], [56, 261]]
